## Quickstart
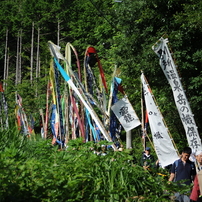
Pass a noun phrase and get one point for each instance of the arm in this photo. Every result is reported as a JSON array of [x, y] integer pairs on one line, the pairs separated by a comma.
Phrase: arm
[[172, 176], [172, 173]]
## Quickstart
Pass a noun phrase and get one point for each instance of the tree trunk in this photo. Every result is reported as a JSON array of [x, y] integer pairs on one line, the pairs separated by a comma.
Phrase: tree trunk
[[20, 57], [7, 66], [37, 54], [39, 71], [1, 119], [32, 52], [17, 61], [37, 58], [5, 59], [58, 33]]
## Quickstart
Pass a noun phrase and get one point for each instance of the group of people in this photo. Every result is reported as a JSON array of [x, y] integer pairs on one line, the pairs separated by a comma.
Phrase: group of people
[[186, 170]]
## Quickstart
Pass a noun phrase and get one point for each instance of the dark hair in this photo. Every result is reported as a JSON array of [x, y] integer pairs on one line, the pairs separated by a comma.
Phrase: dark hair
[[187, 150]]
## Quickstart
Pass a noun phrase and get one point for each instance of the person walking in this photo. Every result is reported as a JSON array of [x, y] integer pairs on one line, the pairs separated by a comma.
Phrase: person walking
[[196, 194], [183, 169], [197, 188], [147, 159], [198, 162]]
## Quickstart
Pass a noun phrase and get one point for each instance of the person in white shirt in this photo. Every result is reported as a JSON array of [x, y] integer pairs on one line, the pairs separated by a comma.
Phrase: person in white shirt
[[198, 162], [193, 156]]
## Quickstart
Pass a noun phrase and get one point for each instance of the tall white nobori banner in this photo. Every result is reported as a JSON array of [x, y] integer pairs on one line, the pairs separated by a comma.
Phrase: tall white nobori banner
[[164, 147], [125, 114], [187, 118]]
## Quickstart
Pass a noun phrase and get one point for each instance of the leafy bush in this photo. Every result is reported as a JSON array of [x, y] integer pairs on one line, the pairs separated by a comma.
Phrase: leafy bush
[[34, 170]]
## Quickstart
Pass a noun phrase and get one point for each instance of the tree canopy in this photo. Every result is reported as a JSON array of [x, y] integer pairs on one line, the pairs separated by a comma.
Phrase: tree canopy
[[123, 32]]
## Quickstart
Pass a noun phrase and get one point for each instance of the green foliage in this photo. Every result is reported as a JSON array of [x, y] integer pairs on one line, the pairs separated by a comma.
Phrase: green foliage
[[122, 32], [34, 170]]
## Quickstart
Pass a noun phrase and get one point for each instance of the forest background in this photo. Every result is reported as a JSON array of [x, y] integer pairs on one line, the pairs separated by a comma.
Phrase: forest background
[[123, 32]]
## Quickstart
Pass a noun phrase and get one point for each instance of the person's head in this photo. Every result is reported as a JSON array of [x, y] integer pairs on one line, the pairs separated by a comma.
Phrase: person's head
[[199, 157], [121, 149], [103, 147], [186, 152], [147, 150]]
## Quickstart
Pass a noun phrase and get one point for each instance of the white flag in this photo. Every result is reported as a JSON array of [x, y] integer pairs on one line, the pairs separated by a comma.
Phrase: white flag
[[56, 49], [182, 104], [165, 150], [125, 114]]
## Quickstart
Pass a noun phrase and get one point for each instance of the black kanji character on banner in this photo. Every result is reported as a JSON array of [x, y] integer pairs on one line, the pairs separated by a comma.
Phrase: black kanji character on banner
[[157, 135]]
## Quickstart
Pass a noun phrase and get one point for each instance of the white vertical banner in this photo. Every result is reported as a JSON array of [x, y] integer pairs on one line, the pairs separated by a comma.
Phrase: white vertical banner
[[164, 147], [168, 66], [125, 113]]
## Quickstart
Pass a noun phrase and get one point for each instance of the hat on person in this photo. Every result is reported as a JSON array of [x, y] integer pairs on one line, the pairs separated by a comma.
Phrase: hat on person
[[147, 149], [198, 152], [120, 149]]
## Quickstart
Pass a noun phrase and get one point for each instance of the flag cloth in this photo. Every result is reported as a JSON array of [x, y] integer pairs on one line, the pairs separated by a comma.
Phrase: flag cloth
[[113, 120], [164, 147], [125, 114], [91, 59], [69, 81], [182, 104], [56, 49], [54, 123], [81, 96], [58, 100], [4, 107], [21, 117]]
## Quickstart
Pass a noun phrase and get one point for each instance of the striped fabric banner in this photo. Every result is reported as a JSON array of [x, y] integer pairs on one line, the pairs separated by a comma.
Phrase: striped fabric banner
[[81, 95]]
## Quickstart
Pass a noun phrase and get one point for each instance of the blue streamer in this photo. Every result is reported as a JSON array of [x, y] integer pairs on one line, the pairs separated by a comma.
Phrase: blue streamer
[[62, 71], [91, 126]]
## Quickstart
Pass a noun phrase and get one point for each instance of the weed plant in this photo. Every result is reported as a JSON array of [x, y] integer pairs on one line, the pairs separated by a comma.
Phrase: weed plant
[[33, 170]]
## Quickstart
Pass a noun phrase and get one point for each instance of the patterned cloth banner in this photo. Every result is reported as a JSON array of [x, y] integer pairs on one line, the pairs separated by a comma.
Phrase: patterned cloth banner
[[113, 120], [22, 121], [125, 114], [187, 118], [4, 106], [54, 123], [165, 150], [81, 96]]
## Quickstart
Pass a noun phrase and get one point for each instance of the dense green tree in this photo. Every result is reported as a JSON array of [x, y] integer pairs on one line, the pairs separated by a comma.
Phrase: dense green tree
[[123, 32], [142, 23]]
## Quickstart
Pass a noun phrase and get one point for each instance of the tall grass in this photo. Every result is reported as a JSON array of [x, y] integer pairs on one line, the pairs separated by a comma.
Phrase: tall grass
[[34, 170]]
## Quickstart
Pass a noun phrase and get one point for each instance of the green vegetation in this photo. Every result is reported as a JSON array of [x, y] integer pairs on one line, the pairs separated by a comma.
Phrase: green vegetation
[[34, 170], [123, 33]]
